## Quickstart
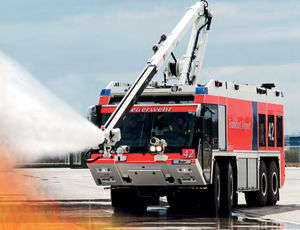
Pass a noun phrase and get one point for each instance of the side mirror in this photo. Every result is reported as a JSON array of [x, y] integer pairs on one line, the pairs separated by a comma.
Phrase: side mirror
[[198, 110], [94, 115], [208, 108]]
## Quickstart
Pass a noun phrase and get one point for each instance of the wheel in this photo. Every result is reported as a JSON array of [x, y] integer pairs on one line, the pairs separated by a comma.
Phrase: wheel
[[214, 192], [273, 184], [235, 202], [127, 200], [226, 201], [259, 198]]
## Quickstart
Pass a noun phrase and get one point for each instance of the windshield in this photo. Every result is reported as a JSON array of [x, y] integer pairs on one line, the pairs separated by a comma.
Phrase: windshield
[[137, 129]]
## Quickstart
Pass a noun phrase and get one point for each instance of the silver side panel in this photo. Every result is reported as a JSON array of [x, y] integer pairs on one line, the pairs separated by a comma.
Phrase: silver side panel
[[247, 166], [242, 173], [247, 173], [252, 173]]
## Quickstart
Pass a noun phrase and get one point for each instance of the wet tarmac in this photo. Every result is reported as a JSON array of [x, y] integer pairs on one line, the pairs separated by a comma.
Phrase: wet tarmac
[[99, 214], [70, 196]]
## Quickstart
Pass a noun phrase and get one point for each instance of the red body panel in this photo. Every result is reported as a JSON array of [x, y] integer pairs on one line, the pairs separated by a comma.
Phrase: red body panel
[[147, 158], [282, 168], [239, 120], [154, 109], [104, 100]]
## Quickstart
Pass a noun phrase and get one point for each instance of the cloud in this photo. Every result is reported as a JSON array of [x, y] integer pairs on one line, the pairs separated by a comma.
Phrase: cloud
[[272, 33], [86, 87], [267, 20]]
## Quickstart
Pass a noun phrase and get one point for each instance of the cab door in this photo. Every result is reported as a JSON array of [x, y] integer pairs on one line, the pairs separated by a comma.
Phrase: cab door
[[204, 123], [207, 146]]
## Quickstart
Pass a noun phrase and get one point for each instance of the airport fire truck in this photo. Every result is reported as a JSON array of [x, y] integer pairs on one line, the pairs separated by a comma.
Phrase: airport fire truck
[[197, 144]]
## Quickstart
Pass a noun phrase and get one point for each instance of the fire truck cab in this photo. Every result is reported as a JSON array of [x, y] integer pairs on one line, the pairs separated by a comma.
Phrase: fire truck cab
[[197, 144]]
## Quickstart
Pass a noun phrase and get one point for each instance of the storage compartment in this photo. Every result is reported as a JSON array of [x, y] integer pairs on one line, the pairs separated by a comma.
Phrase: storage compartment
[[247, 173]]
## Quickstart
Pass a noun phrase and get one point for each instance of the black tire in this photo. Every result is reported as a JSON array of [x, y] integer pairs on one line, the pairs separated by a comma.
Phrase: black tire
[[273, 184], [259, 198], [227, 191], [235, 202], [127, 200], [214, 193]]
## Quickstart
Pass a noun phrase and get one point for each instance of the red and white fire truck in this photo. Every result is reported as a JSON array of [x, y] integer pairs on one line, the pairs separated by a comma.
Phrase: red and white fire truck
[[198, 145]]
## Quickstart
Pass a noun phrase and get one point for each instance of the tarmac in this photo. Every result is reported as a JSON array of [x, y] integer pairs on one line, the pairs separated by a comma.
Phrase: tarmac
[[78, 198]]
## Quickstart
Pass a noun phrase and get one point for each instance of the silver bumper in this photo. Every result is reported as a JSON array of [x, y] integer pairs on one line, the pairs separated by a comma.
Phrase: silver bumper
[[148, 174]]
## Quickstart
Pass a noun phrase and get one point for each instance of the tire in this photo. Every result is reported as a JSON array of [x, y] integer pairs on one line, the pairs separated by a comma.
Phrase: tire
[[214, 193], [259, 198], [273, 184], [235, 203], [227, 191], [126, 200]]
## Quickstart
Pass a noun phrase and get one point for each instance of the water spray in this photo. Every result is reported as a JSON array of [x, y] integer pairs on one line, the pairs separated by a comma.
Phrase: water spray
[[36, 123]]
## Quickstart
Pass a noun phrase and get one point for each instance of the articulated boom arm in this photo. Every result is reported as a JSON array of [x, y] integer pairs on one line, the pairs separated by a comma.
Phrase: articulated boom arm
[[197, 16]]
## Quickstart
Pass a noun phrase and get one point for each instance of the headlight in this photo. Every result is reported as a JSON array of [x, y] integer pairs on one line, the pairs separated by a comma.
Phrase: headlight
[[158, 148], [152, 148], [184, 170]]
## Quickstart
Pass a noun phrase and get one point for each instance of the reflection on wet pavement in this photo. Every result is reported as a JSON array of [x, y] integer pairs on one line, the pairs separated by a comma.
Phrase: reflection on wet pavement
[[75, 202], [99, 215]]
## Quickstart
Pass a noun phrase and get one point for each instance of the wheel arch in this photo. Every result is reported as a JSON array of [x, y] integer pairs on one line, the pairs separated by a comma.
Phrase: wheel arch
[[268, 161], [232, 159]]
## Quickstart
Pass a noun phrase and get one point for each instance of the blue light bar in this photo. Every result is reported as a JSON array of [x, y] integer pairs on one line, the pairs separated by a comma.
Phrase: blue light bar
[[201, 90], [105, 92]]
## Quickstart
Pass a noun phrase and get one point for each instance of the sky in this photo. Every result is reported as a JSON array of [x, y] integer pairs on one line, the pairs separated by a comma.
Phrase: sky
[[75, 47]]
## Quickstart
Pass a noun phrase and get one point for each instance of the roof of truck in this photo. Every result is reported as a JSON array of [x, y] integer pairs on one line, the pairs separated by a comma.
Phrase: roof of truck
[[266, 93]]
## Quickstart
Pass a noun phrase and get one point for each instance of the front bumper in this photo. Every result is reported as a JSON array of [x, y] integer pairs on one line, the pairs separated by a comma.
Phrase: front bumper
[[173, 172]]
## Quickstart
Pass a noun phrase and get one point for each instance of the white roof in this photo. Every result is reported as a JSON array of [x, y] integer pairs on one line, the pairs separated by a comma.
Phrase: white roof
[[244, 92]]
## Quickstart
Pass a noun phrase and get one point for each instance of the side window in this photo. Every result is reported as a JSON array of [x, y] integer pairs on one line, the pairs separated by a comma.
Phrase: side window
[[211, 112], [271, 131], [262, 130], [222, 127], [279, 131], [215, 127]]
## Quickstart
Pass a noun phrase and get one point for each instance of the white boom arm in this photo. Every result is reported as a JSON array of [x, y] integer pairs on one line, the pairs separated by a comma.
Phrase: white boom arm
[[197, 16]]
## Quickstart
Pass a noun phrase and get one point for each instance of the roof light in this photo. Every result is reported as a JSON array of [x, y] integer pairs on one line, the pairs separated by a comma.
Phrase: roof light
[[105, 92], [261, 91], [268, 85], [218, 84], [201, 90]]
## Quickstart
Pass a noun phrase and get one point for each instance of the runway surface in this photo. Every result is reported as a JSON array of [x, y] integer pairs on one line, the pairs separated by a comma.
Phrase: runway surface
[[71, 196]]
